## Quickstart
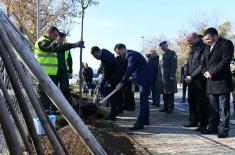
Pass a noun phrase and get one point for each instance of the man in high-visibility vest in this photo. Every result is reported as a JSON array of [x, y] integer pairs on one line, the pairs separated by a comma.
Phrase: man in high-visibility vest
[[65, 70], [51, 55]]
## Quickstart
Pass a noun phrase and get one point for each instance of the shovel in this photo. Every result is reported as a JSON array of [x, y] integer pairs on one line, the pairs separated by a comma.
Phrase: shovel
[[108, 96]]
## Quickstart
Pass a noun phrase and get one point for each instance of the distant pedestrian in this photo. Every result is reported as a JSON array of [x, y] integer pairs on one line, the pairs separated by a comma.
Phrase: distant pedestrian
[[87, 73], [153, 61], [184, 72], [232, 66], [168, 67]]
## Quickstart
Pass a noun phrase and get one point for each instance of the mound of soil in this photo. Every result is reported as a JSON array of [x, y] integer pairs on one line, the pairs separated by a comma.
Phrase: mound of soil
[[114, 143], [110, 137]]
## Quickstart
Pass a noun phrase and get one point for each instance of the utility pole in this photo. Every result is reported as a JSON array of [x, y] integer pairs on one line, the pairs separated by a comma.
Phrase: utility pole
[[81, 65], [38, 18]]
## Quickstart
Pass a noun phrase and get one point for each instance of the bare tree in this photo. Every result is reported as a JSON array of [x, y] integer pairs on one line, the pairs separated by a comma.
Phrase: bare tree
[[153, 42], [52, 12], [83, 5]]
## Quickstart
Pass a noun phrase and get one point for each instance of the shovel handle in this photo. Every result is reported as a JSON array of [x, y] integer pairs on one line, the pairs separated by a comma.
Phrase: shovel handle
[[108, 96]]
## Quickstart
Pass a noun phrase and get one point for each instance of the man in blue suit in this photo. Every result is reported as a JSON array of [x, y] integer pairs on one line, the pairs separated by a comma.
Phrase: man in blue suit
[[142, 75]]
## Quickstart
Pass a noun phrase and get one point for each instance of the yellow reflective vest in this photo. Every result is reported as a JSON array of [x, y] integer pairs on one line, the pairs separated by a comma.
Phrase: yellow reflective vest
[[66, 55], [48, 60]]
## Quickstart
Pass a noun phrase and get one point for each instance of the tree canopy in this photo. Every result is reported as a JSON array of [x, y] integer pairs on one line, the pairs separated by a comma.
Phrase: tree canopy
[[60, 13]]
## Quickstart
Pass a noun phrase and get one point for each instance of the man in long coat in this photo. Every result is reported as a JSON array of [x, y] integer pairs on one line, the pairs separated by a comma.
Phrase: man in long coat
[[216, 69], [168, 66], [196, 83]]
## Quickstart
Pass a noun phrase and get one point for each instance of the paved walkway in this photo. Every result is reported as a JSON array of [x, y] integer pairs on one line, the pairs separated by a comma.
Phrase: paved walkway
[[166, 134]]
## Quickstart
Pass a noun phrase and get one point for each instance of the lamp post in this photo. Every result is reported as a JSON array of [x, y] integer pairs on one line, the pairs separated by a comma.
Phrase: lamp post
[[143, 43]]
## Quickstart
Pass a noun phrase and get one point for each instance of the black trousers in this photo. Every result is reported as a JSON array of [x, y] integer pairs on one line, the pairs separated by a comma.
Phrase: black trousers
[[197, 102], [61, 80], [168, 101], [128, 96], [116, 100], [219, 112], [184, 90]]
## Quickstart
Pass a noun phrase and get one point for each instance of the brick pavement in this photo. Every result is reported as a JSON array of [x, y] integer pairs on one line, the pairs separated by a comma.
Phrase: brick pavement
[[166, 134]]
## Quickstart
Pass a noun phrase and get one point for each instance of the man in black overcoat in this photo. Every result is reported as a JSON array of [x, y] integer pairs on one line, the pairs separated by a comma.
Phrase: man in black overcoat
[[216, 69]]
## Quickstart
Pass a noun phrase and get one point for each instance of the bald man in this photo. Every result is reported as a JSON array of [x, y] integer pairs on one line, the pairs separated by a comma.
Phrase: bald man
[[196, 83]]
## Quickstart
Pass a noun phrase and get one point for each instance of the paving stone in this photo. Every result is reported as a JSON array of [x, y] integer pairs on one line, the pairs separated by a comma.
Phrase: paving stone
[[166, 134]]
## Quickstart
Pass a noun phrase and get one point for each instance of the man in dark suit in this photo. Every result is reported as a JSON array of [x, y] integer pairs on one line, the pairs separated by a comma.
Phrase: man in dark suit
[[128, 94], [112, 72], [142, 75], [87, 73], [216, 69], [196, 83]]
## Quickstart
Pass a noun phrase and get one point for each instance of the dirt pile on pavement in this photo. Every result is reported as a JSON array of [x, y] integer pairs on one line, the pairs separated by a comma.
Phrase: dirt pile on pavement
[[114, 143]]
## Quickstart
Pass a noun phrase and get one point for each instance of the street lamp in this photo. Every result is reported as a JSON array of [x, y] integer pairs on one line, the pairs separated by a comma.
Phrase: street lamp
[[143, 43]]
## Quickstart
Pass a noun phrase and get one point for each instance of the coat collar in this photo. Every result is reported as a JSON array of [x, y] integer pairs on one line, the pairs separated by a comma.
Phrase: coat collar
[[218, 42]]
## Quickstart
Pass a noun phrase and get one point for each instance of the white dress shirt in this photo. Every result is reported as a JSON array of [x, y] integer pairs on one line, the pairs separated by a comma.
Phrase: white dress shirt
[[213, 45]]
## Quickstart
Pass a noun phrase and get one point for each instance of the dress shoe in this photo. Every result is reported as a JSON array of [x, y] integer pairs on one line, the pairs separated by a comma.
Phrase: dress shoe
[[130, 109], [201, 129], [191, 124], [154, 103], [209, 132], [169, 111], [182, 101], [223, 135], [111, 117], [119, 111], [137, 126], [146, 122], [163, 110]]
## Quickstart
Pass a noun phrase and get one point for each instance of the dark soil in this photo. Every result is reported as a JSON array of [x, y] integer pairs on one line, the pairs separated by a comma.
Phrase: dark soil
[[110, 137], [114, 143]]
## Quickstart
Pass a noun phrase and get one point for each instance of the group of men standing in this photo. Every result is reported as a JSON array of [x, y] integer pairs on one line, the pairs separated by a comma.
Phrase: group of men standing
[[142, 73], [209, 78], [209, 82], [137, 70]]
